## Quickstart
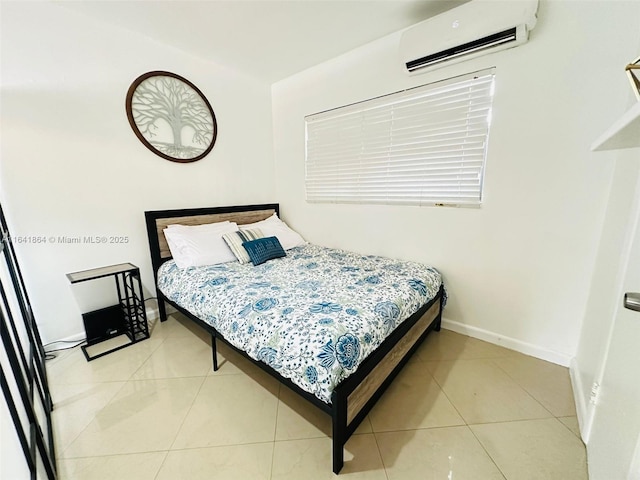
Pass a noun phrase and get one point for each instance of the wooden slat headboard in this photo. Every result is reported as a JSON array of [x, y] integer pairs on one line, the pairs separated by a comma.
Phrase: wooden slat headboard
[[158, 220]]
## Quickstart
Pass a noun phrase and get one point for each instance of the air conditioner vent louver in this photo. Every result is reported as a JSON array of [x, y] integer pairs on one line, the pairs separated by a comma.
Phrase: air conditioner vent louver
[[470, 30], [465, 49]]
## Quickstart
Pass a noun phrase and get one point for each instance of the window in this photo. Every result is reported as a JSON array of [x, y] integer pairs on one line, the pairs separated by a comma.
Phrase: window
[[422, 146]]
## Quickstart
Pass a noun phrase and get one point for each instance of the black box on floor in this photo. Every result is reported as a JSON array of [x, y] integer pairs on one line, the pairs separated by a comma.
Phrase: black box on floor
[[103, 323]]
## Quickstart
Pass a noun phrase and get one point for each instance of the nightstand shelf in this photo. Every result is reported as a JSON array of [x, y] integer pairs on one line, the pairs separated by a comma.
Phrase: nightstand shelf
[[128, 317]]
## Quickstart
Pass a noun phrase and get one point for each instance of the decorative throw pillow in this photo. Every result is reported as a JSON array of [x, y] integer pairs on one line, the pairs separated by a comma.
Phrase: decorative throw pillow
[[235, 240], [275, 227], [264, 249]]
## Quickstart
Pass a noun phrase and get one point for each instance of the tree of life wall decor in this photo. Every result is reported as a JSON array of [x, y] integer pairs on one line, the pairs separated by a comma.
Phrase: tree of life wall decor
[[171, 116]]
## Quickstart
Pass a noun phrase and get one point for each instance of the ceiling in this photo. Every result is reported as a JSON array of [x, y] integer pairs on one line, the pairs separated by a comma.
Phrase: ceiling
[[267, 39]]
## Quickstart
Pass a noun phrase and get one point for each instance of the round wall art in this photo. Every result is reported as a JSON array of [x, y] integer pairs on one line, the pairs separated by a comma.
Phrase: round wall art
[[171, 116]]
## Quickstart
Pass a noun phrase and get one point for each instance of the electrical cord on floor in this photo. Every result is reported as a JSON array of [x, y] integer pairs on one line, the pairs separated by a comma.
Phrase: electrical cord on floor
[[49, 354]]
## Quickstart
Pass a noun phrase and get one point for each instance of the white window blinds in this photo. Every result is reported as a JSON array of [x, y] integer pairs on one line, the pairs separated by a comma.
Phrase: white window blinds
[[423, 146]]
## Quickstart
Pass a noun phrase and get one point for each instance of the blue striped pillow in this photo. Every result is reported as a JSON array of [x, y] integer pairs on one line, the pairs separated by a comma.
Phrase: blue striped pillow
[[264, 249], [235, 240]]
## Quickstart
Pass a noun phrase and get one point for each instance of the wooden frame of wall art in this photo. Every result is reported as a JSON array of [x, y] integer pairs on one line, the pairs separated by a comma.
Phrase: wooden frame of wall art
[[171, 116]]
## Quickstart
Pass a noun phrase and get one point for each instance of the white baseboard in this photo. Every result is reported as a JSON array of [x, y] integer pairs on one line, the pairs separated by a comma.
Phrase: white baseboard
[[152, 313], [510, 343], [584, 410]]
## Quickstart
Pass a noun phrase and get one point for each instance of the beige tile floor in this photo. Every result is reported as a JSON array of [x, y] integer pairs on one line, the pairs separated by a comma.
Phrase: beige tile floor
[[460, 409]]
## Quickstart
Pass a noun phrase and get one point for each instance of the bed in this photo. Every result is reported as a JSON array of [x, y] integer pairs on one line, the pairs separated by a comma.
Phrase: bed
[[341, 349]]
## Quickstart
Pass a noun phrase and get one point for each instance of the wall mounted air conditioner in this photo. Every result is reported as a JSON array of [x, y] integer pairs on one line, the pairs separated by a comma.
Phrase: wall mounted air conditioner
[[470, 30]]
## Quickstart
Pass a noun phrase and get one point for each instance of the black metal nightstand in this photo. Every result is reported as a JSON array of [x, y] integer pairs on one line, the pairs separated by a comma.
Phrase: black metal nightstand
[[128, 317]]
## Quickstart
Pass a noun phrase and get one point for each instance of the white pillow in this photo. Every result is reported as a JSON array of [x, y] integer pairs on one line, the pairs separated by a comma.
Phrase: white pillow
[[197, 245], [274, 227]]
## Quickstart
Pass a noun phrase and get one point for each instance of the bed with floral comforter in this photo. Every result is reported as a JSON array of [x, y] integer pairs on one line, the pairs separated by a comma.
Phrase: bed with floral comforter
[[313, 316]]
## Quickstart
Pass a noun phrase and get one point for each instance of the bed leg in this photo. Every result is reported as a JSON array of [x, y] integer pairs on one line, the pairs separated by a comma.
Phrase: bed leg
[[162, 310], [338, 456], [339, 431], [214, 352]]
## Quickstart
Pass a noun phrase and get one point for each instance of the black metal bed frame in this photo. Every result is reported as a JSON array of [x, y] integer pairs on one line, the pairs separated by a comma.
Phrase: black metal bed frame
[[342, 429], [26, 389]]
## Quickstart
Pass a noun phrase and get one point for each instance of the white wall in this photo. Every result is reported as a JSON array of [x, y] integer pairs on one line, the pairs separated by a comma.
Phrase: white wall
[[518, 269], [587, 366], [72, 166], [617, 233]]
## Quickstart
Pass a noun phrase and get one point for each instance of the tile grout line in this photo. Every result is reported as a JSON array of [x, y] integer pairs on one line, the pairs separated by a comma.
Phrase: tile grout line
[[275, 431], [204, 378], [524, 389], [166, 454], [148, 357], [569, 428], [486, 451], [466, 423], [375, 439], [447, 397], [490, 360], [226, 445]]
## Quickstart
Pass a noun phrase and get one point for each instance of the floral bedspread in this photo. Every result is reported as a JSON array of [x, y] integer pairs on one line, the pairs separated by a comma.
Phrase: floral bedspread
[[313, 315]]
